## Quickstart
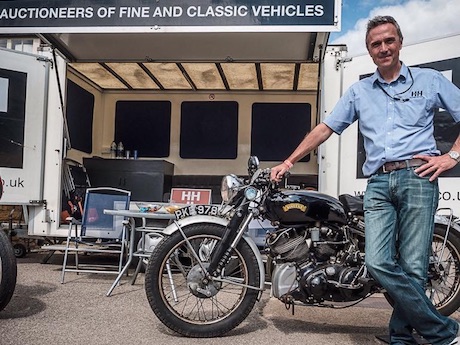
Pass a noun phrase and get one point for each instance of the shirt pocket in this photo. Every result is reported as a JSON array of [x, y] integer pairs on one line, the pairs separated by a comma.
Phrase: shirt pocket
[[413, 112]]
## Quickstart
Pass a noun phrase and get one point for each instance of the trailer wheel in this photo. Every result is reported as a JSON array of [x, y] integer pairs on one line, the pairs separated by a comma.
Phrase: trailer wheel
[[20, 250]]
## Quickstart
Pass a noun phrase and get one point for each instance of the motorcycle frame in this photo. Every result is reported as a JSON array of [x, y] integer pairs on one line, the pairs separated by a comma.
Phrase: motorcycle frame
[[178, 225]]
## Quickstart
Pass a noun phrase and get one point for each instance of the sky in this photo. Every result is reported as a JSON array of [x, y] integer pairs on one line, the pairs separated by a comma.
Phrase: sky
[[420, 20]]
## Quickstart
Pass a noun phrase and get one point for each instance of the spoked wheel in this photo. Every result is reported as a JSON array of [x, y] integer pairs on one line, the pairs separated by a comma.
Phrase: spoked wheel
[[444, 271], [443, 286], [184, 299], [8, 270]]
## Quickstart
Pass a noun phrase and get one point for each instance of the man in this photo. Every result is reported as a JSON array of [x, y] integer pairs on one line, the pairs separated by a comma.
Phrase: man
[[402, 163]]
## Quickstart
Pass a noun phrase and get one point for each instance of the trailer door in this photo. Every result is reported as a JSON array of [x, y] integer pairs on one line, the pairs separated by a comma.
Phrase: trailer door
[[23, 94]]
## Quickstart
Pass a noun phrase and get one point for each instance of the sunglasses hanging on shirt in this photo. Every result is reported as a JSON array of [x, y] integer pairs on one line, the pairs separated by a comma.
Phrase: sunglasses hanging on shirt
[[397, 96]]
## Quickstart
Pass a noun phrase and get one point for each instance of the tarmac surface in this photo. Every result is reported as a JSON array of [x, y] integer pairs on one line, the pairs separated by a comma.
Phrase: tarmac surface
[[44, 312]]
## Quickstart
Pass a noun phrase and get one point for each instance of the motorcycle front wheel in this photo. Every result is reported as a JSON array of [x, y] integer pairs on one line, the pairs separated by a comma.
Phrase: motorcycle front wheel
[[8, 270], [188, 303]]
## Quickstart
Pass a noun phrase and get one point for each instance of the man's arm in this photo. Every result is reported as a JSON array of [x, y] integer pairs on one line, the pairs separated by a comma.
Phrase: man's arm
[[437, 164], [311, 141]]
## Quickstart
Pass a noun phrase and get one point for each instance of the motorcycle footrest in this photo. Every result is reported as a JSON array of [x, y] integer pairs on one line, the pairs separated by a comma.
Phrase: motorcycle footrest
[[366, 281]]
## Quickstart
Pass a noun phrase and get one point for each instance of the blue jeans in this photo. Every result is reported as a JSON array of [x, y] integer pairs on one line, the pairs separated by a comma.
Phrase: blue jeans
[[399, 215]]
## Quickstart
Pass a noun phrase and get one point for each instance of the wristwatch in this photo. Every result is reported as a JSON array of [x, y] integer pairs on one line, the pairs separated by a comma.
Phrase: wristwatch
[[454, 155]]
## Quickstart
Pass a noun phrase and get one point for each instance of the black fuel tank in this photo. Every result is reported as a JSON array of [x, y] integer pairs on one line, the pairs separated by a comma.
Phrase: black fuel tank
[[293, 207]]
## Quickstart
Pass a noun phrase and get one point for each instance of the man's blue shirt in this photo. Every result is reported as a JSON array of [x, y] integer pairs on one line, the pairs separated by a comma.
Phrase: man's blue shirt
[[395, 130]]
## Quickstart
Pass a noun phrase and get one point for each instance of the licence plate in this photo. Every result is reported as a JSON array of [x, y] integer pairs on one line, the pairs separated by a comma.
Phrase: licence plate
[[193, 210]]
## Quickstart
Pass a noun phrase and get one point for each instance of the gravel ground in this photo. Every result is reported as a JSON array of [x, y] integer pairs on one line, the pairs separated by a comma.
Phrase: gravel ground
[[45, 312]]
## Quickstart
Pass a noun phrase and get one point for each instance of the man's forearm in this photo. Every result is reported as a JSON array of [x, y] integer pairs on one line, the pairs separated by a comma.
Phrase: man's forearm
[[311, 141]]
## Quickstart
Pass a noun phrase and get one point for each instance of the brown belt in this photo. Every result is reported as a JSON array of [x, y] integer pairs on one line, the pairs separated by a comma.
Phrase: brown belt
[[397, 165]]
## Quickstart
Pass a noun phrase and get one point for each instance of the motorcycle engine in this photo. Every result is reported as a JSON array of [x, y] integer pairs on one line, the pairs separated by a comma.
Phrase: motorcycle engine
[[299, 244], [315, 265], [291, 244]]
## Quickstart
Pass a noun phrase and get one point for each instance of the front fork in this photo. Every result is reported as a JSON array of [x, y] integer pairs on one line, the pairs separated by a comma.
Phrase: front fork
[[232, 235]]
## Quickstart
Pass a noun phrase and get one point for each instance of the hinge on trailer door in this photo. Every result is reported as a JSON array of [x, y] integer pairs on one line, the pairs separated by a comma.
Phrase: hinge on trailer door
[[46, 212], [341, 61], [38, 202], [45, 59]]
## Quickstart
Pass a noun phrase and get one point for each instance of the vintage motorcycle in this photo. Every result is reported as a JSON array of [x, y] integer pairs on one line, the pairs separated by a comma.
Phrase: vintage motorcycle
[[8, 269], [205, 276]]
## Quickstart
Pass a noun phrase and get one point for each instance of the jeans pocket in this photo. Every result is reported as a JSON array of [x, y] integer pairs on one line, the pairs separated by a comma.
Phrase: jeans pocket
[[426, 177]]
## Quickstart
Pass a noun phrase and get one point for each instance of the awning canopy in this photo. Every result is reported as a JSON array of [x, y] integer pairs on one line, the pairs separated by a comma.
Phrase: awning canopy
[[195, 61], [232, 45]]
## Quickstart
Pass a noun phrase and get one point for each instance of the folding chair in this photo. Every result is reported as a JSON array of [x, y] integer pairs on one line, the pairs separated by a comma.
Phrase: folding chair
[[98, 232]]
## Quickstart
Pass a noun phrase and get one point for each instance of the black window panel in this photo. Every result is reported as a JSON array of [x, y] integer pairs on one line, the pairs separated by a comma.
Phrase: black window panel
[[277, 129], [12, 122], [144, 126], [80, 107], [209, 130]]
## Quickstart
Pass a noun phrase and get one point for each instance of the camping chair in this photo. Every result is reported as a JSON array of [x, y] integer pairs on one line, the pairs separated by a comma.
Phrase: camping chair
[[98, 232]]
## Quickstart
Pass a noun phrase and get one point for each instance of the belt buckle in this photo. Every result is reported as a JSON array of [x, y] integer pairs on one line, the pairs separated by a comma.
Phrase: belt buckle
[[384, 168]]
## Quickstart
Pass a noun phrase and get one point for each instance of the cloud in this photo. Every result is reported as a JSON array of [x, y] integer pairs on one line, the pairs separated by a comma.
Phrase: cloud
[[420, 20]]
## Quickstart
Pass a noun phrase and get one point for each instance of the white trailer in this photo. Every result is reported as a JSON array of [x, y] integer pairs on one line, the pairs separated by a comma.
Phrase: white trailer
[[101, 61]]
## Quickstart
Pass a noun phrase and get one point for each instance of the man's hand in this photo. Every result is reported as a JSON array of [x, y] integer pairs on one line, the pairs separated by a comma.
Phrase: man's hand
[[278, 172], [434, 165]]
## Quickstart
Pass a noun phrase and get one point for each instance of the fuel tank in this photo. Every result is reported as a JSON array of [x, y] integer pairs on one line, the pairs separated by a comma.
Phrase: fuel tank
[[294, 207]]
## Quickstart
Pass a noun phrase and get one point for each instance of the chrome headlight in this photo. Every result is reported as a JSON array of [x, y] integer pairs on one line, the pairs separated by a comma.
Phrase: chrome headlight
[[231, 184]]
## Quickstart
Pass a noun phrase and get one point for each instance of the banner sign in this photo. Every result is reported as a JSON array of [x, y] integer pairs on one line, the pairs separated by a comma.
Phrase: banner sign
[[228, 15]]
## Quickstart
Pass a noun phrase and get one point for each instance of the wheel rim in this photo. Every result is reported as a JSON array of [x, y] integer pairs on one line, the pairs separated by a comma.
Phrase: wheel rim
[[445, 283], [182, 299]]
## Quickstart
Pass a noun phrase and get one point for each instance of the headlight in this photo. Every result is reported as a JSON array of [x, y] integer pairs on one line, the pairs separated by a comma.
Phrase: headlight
[[229, 187]]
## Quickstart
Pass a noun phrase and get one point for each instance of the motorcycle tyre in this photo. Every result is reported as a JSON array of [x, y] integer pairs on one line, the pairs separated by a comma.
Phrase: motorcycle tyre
[[8, 270], [454, 239], [157, 303]]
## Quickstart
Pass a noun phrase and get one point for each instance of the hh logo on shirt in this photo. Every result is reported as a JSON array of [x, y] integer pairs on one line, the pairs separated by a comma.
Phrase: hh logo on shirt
[[415, 94]]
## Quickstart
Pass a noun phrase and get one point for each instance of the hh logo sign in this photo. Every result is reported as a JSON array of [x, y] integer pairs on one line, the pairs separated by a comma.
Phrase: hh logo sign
[[190, 196]]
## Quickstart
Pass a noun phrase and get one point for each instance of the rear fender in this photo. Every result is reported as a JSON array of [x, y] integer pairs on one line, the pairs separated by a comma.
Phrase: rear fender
[[173, 227], [444, 220]]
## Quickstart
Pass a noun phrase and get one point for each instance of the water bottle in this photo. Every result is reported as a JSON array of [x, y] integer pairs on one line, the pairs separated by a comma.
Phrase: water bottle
[[113, 150], [120, 150]]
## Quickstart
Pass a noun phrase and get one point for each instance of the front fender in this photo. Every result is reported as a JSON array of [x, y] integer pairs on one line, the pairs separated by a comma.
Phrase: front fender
[[173, 227]]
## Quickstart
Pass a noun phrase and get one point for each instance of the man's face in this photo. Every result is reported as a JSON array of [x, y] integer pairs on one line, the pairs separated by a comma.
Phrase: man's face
[[383, 45]]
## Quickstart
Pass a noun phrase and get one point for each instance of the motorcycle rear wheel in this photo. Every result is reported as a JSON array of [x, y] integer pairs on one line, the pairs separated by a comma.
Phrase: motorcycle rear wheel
[[443, 287], [8, 270], [444, 282], [173, 275]]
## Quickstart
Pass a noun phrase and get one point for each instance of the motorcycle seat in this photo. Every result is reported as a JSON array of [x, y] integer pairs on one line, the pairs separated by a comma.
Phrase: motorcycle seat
[[353, 204]]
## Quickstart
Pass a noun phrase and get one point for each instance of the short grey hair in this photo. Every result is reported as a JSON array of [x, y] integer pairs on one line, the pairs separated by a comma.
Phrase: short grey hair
[[379, 20]]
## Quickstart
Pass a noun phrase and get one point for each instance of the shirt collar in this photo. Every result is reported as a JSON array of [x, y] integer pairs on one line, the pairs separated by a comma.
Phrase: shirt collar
[[403, 74]]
